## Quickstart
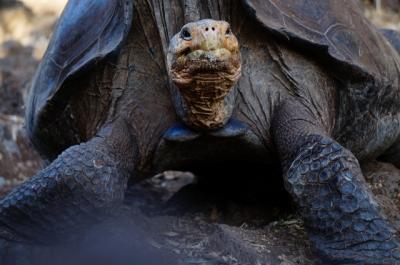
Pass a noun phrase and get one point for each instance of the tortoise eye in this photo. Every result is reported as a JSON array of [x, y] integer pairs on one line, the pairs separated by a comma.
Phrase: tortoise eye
[[185, 34], [228, 31]]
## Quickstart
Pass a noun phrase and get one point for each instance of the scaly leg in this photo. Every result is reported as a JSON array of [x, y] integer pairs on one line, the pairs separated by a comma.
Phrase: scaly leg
[[344, 221], [85, 183], [65, 214]]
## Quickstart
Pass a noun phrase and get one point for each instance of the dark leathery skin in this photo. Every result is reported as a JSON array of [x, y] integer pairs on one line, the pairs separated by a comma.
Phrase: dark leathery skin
[[82, 180], [345, 222], [85, 182], [325, 180]]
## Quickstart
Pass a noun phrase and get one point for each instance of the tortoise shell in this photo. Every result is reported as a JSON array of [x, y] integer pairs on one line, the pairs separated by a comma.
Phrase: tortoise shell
[[90, 30], [337, 27]]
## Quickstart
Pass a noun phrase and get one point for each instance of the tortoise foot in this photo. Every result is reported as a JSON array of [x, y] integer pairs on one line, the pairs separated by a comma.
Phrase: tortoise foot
[[346, 224], [366, 253]]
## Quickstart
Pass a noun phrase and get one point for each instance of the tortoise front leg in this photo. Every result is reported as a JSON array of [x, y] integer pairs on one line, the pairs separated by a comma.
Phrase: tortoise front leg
[[84, 182], [345, 223]]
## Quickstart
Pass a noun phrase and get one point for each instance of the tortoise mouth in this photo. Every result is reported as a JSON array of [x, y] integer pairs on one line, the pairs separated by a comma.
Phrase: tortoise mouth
[[213, 55], [218, 65]]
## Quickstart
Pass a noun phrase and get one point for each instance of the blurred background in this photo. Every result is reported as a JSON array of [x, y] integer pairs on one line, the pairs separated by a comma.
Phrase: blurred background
[[25, 28]]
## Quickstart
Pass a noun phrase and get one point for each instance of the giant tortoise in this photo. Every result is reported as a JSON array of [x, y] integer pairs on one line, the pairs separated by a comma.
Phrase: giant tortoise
[[306, 85]]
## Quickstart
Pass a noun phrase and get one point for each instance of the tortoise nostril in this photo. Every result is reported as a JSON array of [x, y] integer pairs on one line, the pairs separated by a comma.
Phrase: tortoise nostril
[[213, 29], [206, 29]]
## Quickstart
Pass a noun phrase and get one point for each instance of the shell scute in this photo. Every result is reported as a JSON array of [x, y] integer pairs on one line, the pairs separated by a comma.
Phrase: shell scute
[[79, 40]]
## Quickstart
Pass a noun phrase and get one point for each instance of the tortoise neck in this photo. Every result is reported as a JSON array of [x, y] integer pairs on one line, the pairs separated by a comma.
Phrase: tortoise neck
[[205, 101]]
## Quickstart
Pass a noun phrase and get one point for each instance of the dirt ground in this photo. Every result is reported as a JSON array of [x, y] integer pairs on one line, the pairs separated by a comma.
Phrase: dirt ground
[[224, 231]]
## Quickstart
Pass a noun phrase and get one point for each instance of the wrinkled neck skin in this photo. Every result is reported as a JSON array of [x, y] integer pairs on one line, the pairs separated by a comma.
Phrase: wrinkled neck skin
[[206, 102]]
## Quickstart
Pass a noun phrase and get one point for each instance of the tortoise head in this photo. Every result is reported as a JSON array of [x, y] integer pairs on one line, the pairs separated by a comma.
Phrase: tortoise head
[[204, 64]]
